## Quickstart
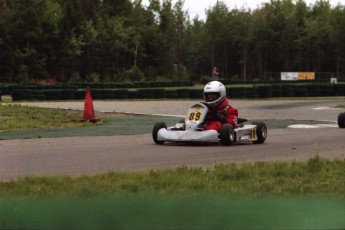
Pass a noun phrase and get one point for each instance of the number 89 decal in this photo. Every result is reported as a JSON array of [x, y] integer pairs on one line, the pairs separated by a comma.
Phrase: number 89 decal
[[194, 116]]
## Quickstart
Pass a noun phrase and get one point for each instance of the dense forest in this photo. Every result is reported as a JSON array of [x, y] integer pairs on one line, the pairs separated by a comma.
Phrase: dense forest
[[124, 41]]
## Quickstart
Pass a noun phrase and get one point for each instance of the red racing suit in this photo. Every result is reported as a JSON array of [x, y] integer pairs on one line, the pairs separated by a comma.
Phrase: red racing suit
[[228, 112]]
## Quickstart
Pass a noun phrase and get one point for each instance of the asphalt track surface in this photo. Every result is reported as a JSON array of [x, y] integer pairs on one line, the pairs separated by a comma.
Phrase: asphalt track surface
[[76, 156]]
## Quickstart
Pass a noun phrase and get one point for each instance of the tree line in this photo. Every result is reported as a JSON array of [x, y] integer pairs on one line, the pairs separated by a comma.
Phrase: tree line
[[124, 41]]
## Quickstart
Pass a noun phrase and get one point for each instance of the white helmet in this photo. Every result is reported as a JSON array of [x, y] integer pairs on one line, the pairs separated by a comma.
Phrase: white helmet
[[215, 87]]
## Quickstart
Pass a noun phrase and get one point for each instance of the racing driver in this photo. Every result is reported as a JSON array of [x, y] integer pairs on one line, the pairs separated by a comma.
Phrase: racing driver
[[220, 111]]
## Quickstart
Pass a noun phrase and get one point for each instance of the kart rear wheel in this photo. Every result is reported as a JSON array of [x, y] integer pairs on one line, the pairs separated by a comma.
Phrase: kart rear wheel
[[227, 135], [341, 120], [261, 132], [156, 128]]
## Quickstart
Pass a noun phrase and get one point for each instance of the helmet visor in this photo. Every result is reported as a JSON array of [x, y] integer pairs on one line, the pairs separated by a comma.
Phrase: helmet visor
[[211, 96]]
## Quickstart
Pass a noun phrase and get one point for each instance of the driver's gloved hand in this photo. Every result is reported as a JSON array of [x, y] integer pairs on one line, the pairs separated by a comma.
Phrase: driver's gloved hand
[[212, 109], [216, 115], [219, 117]]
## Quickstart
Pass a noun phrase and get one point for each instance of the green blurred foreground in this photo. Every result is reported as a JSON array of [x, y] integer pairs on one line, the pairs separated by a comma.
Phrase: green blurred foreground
[[261, 195], [202, 212]]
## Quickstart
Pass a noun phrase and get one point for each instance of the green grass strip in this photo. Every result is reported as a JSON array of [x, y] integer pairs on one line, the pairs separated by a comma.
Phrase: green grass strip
[[118, 125], [315, 177]]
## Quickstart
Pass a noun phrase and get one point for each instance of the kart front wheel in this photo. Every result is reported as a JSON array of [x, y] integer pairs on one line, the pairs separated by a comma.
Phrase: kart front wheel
[[227, 135], [261, 132], [156, 128], [341, 120]]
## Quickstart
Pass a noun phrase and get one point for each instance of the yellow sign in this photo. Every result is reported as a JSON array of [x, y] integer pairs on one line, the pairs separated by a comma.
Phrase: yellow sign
[[306, 76]]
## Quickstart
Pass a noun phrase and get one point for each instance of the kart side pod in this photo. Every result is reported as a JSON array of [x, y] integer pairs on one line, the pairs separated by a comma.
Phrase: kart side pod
[[255, 133]]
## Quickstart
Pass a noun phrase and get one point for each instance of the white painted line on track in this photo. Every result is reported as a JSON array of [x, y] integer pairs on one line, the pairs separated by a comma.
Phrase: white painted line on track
[[324, 108], [304, 126]]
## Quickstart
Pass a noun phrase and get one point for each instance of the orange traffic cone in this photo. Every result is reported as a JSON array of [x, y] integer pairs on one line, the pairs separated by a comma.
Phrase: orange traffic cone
[[89, 113]]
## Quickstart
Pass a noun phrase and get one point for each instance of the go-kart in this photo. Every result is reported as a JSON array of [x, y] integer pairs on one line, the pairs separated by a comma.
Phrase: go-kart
[[341, 120], [191, 130]]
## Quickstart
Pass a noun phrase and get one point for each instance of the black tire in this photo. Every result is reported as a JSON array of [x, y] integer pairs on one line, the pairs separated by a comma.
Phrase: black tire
[[261, 132], [227, 135], [156, 128], [341, 120]]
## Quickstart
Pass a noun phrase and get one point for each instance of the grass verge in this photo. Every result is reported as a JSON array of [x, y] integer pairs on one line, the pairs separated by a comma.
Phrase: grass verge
[[315, 177], [15, 117]]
